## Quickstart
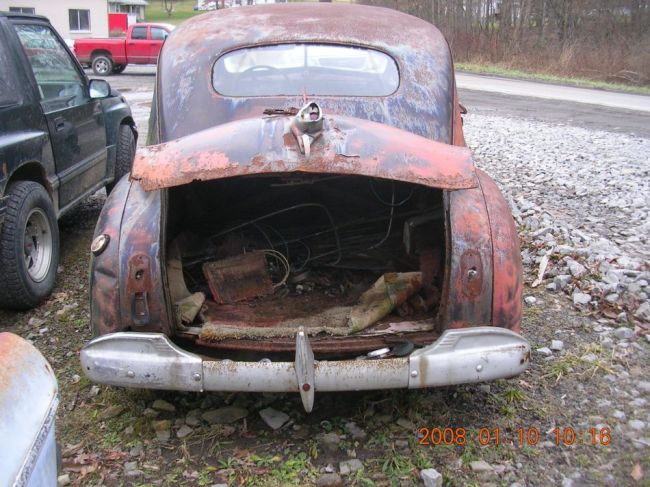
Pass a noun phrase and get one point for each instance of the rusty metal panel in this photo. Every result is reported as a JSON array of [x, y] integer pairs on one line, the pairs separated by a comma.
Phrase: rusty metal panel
[[265, 145], [104, 268], [421, 105], [238, 278], [467, 293], [143, 305], [507, 272]]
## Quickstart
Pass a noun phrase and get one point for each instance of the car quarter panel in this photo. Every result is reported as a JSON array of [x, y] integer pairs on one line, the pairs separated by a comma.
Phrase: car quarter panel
[[507, 270], [467, 292], [421, 105]]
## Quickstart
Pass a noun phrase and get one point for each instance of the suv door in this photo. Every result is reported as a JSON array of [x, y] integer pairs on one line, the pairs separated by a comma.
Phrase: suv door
[[75, 121]]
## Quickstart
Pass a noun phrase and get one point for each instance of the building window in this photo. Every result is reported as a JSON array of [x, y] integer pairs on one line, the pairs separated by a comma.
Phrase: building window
[[23, 10], [79, 20]]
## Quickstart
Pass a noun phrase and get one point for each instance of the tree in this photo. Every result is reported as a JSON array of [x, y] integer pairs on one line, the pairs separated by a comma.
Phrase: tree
[[168, 6]]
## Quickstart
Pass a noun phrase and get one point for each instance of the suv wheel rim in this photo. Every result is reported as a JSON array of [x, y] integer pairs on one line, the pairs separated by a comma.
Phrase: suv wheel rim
[[37, 245], [101, 66]]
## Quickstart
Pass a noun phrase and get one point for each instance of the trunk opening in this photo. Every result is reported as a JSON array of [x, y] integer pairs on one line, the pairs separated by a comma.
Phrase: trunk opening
[[357, 261]]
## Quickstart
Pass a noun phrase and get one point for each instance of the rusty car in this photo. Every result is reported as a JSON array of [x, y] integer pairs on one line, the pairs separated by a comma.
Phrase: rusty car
[[306, 217]]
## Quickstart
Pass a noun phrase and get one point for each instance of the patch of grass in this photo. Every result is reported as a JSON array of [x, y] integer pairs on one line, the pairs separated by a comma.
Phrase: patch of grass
[[514, 395], [550, 78], [183, 10]]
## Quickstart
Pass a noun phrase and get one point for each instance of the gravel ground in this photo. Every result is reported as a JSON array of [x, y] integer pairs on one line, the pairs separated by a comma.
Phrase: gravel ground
[[581, 200]]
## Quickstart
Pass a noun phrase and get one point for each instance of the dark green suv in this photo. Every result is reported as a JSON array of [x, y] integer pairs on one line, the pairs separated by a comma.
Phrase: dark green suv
[[62, 137]]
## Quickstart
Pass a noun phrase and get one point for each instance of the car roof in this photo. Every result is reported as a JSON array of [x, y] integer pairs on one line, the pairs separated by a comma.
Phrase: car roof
[[421, 104], [18, 15]]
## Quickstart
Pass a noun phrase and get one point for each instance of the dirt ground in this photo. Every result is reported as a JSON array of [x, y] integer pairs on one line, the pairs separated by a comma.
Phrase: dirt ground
[[113, 436]]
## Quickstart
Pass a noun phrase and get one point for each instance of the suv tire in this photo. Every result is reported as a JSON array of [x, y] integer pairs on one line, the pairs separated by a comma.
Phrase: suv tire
[[118, 68], [29, 246], [125, 152], [102, 65]]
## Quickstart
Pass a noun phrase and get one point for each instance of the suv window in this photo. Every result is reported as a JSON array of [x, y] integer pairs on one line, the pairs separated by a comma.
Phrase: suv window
[[158, 34], [314, 69], [59, 83], [139, 33]]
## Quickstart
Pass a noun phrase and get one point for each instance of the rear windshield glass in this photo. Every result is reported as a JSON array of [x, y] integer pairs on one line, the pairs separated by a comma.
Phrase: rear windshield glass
[[314, 69]]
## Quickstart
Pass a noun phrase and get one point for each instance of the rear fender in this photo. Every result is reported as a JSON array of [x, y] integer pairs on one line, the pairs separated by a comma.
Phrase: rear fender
[[126, 282]]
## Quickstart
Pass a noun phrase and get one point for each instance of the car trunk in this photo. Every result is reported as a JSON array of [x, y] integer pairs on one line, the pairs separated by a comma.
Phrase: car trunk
[[356, 261]]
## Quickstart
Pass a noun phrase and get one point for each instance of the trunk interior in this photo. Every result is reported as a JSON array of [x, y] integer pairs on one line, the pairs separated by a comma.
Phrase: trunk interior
[[357, 262]]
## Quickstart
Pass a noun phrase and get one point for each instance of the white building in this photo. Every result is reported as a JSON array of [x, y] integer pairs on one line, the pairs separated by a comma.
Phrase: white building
[[72, 18]]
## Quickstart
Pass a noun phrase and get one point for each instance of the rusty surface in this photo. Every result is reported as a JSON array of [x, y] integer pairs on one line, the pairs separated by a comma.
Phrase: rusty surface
[[421, 105], [238, 278], [325, 345], [140, 237], [507, 274], [105, 316], [467, 293], [263, 145]]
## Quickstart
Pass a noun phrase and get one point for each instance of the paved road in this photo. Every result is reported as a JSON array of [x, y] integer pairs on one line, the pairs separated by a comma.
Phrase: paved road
[[593, 109], [476, 82]]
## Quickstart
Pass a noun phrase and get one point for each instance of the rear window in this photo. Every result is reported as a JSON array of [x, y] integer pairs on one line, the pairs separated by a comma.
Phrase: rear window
[[314, 69]]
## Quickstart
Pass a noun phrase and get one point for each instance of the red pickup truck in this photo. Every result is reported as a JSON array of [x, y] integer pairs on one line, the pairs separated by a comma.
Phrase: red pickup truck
[[141, 46]]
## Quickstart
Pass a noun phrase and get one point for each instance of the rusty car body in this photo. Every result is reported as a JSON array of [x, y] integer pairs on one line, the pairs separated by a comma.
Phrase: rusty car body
[[306, 217]]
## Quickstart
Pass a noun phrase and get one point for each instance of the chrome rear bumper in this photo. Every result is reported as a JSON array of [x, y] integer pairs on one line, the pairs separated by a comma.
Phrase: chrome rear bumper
[[151, 360]]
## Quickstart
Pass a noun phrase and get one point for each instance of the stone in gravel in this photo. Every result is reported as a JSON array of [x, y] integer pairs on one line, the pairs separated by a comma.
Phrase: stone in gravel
[[274, 418], [485, 388], [530, 300], [35, 322], [193, 418], [621, 317], [581, 299], [545, 351], [150, 413], [350, 466], [618, 414], [576, 268], [133, 474], [111, 412], [163, 424], [136, 451], [480, 466], [329, 480], [431, 477], [330, 441], [224, 415], [63, 480], [589, 358], [643, 385], [612, 298], [129, 430], [356, 432], [406, 424], [128, 466], [551, 287], [624, 333], [94, 391], [557, 345], [162, 405], [636, 424], [184, 431], [562, 281], [402, 444], [643, 312]]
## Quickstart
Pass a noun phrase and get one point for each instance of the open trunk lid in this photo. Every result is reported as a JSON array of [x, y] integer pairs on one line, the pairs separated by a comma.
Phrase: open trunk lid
[[274, 144]]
